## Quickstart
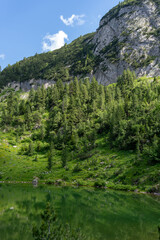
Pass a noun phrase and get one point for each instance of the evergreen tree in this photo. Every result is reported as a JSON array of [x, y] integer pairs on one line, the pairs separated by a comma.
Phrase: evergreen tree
[[64, 156], [31, 149], [50, 156], [42, 132], [31, 97]]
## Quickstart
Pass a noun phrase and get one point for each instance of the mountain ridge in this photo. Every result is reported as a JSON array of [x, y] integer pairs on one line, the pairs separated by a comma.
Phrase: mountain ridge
[[128, 37]]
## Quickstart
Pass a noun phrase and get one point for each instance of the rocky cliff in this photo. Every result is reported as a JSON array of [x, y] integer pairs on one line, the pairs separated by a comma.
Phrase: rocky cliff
[[128, 37], [27, 85]]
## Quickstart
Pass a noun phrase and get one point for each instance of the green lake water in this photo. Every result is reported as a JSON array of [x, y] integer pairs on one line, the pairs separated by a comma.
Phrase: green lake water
[[110, 215]]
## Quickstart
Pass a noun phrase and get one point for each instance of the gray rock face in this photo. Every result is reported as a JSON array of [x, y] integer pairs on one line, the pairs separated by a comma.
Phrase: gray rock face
[[128, 38], [27, 85]]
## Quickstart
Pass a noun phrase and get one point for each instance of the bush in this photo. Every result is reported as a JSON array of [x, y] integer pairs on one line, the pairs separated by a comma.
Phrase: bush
[[121, 187], [49, 182], [65, 178], [1, 176], [35, 159], [41, 146], [77, 168], [153, 189], [99, 183], [80, 183], [26, 140]]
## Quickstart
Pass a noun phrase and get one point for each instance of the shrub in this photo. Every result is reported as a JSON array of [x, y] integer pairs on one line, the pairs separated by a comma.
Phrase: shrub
[[99, 183], [26, 140], [80, 183], [153, 189], [77, 168], [1, 176], [121, 187], [49, 182], [65, 178]]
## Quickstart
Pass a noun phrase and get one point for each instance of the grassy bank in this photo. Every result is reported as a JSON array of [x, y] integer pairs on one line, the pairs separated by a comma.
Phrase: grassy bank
[[101, 167]]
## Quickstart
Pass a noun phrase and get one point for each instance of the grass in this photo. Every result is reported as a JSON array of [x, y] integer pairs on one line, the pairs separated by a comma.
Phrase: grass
[[104, 167]]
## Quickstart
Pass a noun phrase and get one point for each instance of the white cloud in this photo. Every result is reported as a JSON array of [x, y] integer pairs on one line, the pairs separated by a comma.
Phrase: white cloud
[[2, 56], [77, 19], [55, 41]]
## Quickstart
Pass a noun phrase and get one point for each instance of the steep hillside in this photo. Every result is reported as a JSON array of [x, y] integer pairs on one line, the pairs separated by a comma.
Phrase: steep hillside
[[128, 37], [71, 60]]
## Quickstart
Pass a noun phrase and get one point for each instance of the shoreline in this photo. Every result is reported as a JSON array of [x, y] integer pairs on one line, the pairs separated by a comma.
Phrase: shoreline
[[64, 184]]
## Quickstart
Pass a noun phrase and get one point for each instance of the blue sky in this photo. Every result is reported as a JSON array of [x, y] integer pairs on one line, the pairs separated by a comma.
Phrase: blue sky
[[35, 26]]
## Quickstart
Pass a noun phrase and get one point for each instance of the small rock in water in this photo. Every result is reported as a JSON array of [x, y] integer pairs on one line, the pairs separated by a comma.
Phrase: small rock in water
[[35, 181]]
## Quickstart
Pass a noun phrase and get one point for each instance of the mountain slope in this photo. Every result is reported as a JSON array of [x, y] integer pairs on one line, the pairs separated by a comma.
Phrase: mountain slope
[[70, 60], [84, 133], [128, 37]]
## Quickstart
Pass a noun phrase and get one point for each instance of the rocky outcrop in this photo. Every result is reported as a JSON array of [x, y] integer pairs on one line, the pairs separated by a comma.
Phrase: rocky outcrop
[[27, 85], [128, 37]]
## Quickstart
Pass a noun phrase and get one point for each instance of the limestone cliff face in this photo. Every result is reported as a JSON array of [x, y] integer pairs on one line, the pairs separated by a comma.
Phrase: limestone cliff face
[[27, 85], [128, 37]]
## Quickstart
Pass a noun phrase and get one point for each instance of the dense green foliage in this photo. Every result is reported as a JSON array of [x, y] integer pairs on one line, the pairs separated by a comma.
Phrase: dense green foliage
[[71, 118], [53, 65]]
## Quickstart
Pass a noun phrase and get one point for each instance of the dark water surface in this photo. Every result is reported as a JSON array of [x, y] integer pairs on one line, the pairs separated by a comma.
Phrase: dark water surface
[[100, 214]]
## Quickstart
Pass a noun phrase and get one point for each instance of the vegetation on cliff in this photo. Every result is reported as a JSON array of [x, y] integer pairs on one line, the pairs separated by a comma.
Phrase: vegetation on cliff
[[71, 60]]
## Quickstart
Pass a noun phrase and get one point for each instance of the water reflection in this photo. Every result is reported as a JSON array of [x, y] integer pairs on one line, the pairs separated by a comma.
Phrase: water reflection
[[102, 214]]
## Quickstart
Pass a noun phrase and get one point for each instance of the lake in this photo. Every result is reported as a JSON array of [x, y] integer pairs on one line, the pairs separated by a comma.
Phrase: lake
[[100, 214]]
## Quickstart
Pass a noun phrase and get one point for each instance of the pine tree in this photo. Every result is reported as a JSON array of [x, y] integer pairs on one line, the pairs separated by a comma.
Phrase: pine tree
[[101, 102], [43, 91], [67, 77], [31, 97], [94, 89], [64, 156], [50, 156], [60, 88], [42, 132], [31, 149], [84, 94], [65, 103], [38, 98], [76, 89]]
